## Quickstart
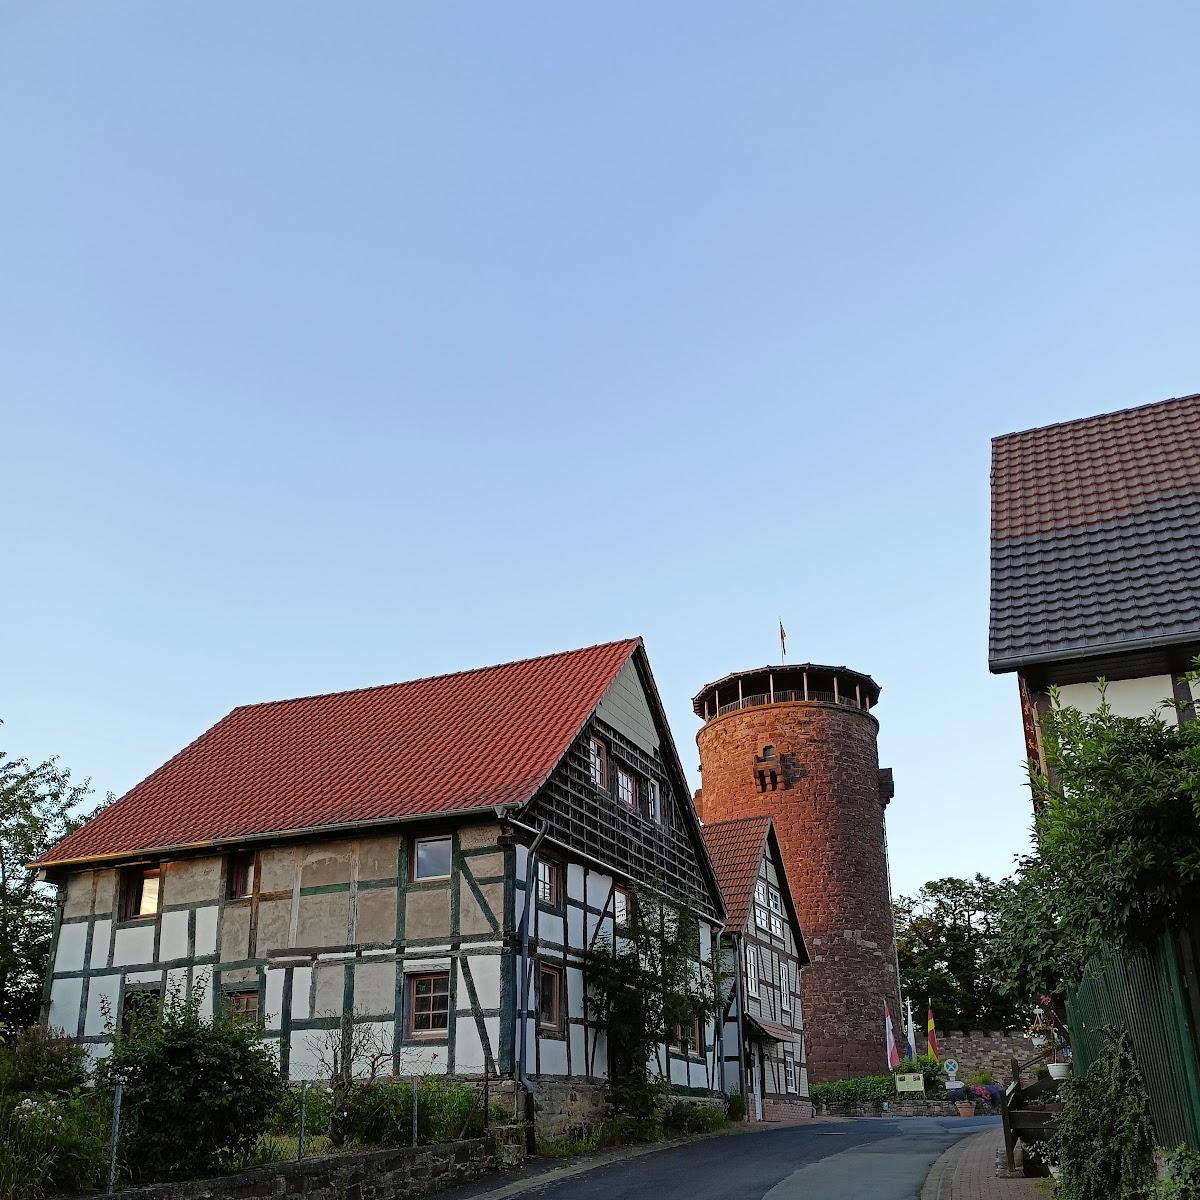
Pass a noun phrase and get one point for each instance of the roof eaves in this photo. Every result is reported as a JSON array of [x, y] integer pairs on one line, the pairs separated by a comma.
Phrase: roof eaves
[[1014, 662]]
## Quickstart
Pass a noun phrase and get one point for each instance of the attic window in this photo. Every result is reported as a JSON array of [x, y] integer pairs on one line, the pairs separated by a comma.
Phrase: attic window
[[627, 789], [139, 892], [598, 760], [431, 858], [241, 875]]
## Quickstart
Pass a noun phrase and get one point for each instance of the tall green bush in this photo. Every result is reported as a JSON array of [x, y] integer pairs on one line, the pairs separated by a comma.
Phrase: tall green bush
[[198, 1091], [1105, 1143], [379, 1112], [40, 1062], [51, 1144]]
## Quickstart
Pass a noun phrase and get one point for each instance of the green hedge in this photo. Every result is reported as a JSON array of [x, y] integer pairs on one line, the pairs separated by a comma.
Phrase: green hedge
[[867, 1089]]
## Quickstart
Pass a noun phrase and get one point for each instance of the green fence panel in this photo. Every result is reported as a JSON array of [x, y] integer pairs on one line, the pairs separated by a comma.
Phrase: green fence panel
[[1147, 996]]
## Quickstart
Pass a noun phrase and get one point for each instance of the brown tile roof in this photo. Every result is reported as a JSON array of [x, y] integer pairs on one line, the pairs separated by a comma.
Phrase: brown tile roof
[[442, 745], [1096, 535], [736, 850]]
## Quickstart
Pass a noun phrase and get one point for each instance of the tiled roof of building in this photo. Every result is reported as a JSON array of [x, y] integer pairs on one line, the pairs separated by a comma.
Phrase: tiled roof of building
[[447, 744], [736, 850], [1096, 535]]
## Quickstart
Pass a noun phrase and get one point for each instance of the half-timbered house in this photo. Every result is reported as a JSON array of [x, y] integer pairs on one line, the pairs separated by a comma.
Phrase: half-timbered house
[[764, 951], [365, 858]]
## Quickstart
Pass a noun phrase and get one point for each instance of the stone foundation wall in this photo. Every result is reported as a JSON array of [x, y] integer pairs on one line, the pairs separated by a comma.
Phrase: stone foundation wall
[[896, 1108], [978, 1050], [379, 1175], [560, 1105]]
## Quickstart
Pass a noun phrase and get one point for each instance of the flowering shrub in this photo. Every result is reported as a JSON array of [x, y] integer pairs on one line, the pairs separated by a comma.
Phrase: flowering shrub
[[52, 1144]]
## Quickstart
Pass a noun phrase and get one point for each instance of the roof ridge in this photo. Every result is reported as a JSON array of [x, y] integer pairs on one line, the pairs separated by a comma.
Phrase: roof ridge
[[1116, 412], [379, 687], [736, 820]]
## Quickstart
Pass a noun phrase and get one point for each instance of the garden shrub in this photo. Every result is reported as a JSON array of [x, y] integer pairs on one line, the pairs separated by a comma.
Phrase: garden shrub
[[285, 1121], [198, 1092], [867, 1089], [1183, 1176], [1105, 1143], [927, 1066], [53, 1144], [379, 1112], [40, 1062], [737, 1107], [679, 1118]]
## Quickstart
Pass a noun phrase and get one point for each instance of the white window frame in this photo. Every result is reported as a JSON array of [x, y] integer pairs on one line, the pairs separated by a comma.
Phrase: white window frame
[[623, 777], [789, 1071], [752, 971], [762, 918], [760, 892], [438, 837], [776, 900], [598, 762], [785, 987], [652, 809], [776, 926]]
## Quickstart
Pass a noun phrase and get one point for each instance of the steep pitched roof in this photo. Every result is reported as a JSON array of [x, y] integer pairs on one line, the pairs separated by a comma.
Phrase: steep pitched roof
[[448, 744], [736, 850], [1096, 535]]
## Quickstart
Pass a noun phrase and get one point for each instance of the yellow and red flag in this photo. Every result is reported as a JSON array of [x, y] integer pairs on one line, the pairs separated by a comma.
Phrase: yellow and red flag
[[931, 1035]]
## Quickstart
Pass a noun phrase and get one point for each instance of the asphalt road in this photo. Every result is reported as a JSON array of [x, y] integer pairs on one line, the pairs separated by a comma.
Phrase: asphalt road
[[849, 1160]]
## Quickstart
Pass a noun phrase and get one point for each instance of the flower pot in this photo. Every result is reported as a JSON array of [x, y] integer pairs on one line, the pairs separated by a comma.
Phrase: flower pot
[[1059, 1070], [966, 1108]]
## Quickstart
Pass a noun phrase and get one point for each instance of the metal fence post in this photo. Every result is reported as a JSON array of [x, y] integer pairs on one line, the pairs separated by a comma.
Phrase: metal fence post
[[116, 1133], [414, 1109], [303, 1108]]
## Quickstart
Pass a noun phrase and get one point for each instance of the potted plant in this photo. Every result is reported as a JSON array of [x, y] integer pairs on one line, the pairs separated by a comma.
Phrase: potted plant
[[965, 1108]]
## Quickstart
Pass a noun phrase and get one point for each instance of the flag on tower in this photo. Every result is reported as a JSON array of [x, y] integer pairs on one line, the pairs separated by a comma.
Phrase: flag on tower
[[782, 640], [932, 1036], [893, 1055]]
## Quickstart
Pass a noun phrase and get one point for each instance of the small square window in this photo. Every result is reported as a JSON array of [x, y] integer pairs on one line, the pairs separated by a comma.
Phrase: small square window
[[762, 918], [139, 892], [689, 1039], [627, 789], [760, 892], [776, 901], [549, 882], [429, 1004], [550, 980], [241, 875], [243, 1006], [622, 906], [776, 926], [598, 761], [431, 858]]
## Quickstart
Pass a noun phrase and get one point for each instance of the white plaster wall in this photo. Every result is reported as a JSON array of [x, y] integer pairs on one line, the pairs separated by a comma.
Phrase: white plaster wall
[[578, 1049], [101, 933], [134, 945], [1126, 697], [65, 995], [301, 993], [173, 942], [383, 1030], [177, 978], [305, 1060], [274, 999], [202, 981], [101, 988], [206, 931], [574, 992], [553, 1057], [72, 941], [469, 1057], [575, 933], [550, 928], [423, 1060], [575, 885], [144, 977], [485, 971]]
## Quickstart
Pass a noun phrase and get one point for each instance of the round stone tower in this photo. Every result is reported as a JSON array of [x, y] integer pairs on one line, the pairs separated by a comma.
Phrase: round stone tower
[[798, 743]]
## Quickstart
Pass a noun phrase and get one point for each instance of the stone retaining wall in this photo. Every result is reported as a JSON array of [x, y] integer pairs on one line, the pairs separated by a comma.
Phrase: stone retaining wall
[[568, 1104], [379, 1175], [985, 1050], [897, 1108]]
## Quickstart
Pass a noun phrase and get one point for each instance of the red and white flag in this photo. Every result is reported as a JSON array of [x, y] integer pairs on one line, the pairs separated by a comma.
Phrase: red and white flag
[[893, 1054]]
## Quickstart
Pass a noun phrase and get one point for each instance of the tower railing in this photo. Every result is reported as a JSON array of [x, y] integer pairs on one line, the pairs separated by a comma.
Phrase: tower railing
[[788, 697]]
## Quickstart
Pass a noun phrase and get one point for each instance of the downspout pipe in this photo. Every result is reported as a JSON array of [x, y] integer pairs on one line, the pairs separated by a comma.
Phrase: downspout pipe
[[738, 950]]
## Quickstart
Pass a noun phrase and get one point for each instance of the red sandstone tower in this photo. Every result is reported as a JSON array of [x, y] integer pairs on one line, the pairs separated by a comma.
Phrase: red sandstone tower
[[799, 743]]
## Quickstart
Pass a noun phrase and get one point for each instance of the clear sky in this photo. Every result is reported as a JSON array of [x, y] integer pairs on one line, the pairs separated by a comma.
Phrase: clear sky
[[342, 344]]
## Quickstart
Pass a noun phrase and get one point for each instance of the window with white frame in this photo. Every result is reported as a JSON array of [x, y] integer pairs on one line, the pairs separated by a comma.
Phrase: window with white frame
[[789, 1070], [760, 892], [785, 988], [652, 810], [752, 970], [627, 791], [598, 757], [776, 900]]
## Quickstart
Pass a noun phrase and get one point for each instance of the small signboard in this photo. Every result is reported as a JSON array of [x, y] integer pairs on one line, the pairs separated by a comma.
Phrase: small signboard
[[910, 1081], [951, 1067]]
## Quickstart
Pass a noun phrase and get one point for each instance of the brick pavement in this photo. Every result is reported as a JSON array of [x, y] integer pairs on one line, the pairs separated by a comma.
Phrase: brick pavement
[[967, 1171]]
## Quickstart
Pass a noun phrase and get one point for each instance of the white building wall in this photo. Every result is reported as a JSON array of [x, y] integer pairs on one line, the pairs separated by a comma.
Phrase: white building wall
[[1126, 697]]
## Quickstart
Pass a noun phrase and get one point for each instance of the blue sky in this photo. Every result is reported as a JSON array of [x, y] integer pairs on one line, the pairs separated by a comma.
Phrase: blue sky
[[341, 345]]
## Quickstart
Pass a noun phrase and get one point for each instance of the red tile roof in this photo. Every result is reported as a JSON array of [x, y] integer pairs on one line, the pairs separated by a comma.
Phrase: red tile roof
[[1096, 535], [447, 744], [736, 850]]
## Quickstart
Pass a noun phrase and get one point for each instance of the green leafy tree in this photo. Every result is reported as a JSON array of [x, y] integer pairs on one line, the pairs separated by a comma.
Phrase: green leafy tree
[[1117, 845], [946, 943], [39, 804], [640, 988], [198, 1092]]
